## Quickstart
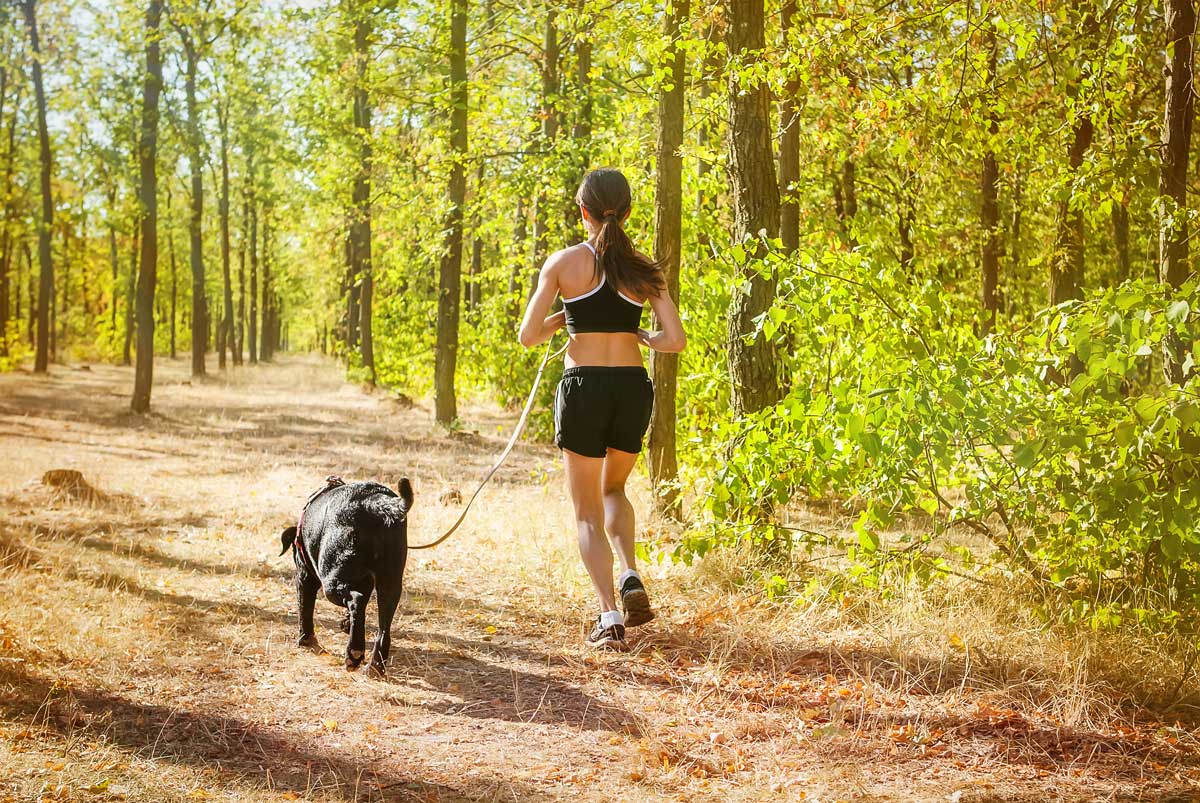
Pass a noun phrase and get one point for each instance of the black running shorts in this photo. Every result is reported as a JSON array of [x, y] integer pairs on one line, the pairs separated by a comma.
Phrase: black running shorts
[[598, 407]]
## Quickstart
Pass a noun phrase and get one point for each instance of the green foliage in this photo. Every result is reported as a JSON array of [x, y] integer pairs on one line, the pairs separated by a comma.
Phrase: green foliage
[[1052, 446]]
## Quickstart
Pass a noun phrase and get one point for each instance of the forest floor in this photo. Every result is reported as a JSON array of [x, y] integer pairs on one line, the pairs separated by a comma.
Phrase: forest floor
[[147, 636]]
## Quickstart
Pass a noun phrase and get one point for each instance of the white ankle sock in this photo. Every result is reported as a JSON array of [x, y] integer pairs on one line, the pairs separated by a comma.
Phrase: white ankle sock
[[625, 574], [610, 618]]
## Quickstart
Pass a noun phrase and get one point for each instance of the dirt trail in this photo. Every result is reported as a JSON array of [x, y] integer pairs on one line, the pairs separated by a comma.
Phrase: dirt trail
[[147, 640]]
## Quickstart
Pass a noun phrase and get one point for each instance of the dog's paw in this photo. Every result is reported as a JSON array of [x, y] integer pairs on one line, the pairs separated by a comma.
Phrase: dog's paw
[[377, 668], [309, 641], [354, 659]]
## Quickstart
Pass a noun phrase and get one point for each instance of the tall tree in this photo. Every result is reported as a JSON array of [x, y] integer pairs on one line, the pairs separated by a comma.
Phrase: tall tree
[[226, 333], [752, 358], [195, 157], [789, 142], [41, 361], [1067, 262], [360, 226], [148, 199], [446, 356], [668, 244], [549, 132], [1173, 269], [989, 183], [252, 201]]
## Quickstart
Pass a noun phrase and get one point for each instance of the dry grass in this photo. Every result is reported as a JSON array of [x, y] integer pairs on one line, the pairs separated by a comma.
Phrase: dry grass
[[146, 636]]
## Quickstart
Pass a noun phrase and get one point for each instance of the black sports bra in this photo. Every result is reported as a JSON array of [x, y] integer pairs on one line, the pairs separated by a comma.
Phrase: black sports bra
[[604, 308]]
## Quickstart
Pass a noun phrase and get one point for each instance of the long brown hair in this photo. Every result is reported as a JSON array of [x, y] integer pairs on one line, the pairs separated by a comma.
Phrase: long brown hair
[[604, 193]]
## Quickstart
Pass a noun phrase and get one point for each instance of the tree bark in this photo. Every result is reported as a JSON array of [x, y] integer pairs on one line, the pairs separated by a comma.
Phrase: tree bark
[[223, 210], [789, 143], [253, 319], [130, 288], [266, 348], [143, 378], [360, 227], [450, 274], [549, 115], [668, 241], [1120, 224], [1066, 265], [989, 214], [1173, 268], [6, 246], [752, 359], [240, 329], [195, 228], [46, 276]]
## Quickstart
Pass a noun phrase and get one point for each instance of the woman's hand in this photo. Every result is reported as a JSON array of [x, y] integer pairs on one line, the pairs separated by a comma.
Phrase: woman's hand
[[556, 321]]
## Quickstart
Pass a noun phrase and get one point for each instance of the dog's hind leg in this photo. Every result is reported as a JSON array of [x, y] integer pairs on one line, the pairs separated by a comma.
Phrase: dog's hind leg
[[307, 586], [386, 599], [356, 606]]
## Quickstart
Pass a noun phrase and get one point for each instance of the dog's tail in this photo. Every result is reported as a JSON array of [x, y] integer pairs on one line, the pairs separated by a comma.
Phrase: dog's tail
[[406, 493], [288, 538]]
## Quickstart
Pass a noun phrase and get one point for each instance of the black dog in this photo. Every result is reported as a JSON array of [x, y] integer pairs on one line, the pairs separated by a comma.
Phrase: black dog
[[353, 539]]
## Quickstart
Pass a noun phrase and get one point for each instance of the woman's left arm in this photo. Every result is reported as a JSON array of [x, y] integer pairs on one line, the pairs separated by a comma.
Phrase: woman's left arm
[[671, 337], [537, 327]]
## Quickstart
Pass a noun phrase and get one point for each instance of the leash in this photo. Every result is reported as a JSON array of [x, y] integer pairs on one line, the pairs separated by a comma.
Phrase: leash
[[512, 441]]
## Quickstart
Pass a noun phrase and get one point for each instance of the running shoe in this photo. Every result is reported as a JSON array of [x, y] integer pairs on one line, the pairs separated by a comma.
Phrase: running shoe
[[607, 638], [635, 602]]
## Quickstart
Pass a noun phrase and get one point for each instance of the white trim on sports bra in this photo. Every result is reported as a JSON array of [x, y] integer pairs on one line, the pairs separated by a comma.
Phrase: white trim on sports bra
[[591, 292], [592, 248]]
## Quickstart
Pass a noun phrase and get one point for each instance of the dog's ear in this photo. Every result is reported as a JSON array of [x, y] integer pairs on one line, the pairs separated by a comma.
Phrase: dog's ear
[[288, 538], [406, 492]]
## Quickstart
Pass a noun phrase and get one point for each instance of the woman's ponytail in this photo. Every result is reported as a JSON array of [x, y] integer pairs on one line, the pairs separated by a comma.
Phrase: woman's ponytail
[[604, 193]]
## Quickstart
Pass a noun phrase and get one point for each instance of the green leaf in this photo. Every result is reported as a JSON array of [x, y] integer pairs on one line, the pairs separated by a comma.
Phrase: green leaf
[[1178, 311]]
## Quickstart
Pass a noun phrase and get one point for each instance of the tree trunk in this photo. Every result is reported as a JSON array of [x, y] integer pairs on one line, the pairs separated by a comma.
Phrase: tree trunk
[[1066, 268], [240, 330], [31, 304], [789, 144], [581, 132], [266, 348], [46, 281], [6, 244], [253, 319], [1014, 243], [113, 259], [446, 357], [711, 66], [989, 214], [226, 336], [65, 285], [360, 227], [195, 233], [1173, 268], [174, 271], [520, 232], [1066, 265], [668, 240], [752, 364], [130, 286], [549, 115], [1120, 224], [148, 196]]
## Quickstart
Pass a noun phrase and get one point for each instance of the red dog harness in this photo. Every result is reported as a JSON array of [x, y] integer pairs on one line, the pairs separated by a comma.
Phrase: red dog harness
[[332, 481]]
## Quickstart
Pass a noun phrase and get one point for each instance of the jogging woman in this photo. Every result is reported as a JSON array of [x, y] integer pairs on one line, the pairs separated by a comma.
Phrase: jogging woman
[[602, 405]]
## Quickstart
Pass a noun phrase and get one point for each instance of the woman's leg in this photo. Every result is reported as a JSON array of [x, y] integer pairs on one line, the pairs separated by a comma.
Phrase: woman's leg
[[583, 477], [618, 512]]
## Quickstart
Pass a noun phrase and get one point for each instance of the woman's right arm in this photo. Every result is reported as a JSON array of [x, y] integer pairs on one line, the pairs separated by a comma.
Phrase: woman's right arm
[[536, 327], [671, 337]]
